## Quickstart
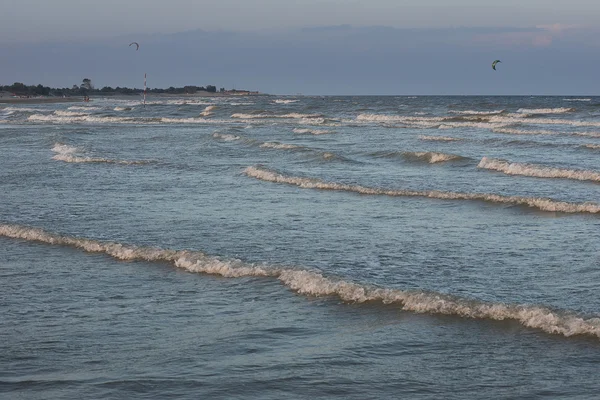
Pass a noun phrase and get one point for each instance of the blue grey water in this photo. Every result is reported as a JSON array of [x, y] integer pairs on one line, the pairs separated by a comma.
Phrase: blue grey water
[[270, 247]]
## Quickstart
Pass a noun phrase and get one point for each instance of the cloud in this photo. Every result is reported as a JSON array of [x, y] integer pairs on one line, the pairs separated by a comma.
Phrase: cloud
[[538, 38], [558, 28]]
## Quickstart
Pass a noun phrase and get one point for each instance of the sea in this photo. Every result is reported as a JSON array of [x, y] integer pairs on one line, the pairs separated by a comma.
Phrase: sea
[[294, 247]]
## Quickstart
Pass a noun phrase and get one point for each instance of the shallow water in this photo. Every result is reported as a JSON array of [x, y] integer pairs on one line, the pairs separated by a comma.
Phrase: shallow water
[[269, 247]]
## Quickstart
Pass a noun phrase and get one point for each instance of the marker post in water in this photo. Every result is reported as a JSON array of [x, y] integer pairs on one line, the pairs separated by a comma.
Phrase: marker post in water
[[144, 90]]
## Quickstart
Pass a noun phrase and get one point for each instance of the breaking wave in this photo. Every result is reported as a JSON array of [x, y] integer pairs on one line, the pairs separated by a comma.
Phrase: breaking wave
[[542, 204], [577, 99], [72, 154], [82, 108], [227, 137], [592, 146], [273, 116], [208, 111], [432, 157], [281, 146], [473, 112], [282, 101], [439, 138], [305, 131], [315, 284], [514, 131], [537, 171], [559, 110]]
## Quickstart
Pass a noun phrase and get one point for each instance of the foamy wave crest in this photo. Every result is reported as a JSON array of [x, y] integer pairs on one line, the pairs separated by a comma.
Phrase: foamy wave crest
[[439, 138], [474, 112], [315, 284], [21, 109], [226, 137], [68, 113], [432, 157], [282, 101], [592, 146], [533, 202], [559, 110], [514, 131], [577, 99], [80, 108], [273, 116], [183, 103], [537, 171], [208, 111], [304, 131], [82, 118], [123, 109], [72, 154], [282, 146]]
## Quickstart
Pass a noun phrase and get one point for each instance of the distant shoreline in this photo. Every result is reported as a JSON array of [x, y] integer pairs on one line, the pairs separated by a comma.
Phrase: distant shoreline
[[40, 100]]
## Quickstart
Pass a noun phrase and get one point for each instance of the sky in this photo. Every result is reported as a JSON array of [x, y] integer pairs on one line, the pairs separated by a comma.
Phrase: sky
[[43, 20], [307, 46]]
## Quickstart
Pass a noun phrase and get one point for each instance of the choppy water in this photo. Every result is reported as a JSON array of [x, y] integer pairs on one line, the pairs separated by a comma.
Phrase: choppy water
[[297, 247]]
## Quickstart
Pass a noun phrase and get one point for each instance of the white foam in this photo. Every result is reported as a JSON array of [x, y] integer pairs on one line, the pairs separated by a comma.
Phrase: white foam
[[282, 146], [226, 137], [283, 101], [559, 110], [315, 284], [432, 157], [123, 109], [72, 154], [208, 111], [534, 202], [80, 108], [305, 131], [439, 138], [21, 109], [475, 112], [274, 116], [592, 146], [514, 131], [577, 99], [537, 171]]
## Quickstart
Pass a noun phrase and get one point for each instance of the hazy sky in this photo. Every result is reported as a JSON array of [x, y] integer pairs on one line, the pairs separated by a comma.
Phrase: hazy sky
[[48, 20], [307, 46]]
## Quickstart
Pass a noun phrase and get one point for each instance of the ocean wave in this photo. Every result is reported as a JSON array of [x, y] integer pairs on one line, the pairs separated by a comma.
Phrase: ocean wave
[[72, 154], [83, 108], [83, 118], [182, 102], [305, 131], [123, 109], [21, 109], [542, 204], [226, 137], [275, 116], [315, 284], [592, 146], [559, 110], [474, 112], [281, 146], [537, 171], [432, 157], [439, 138], [282, 101], [208, 111], [577, 99], [514, 131]]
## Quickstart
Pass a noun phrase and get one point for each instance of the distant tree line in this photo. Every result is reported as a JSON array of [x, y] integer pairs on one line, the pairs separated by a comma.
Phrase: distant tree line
[[86, 88]]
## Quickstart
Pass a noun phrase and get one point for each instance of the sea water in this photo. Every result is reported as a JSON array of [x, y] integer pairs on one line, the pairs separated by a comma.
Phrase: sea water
[[276, 247]]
